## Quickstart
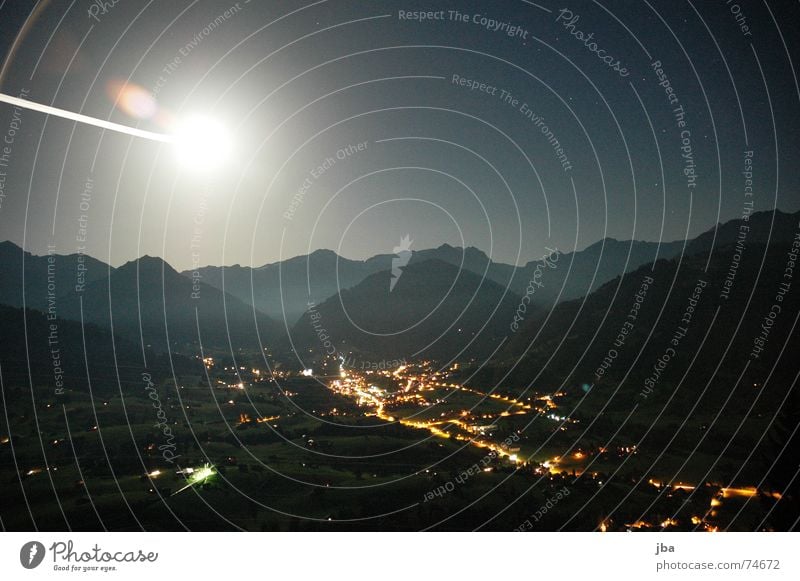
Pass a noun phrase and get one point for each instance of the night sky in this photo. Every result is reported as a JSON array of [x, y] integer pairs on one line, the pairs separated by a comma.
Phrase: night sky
[[298, 84]]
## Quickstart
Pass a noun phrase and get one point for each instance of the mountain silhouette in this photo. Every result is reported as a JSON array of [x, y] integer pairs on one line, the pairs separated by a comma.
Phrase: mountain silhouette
[[434, 310], [60, 272], [568, 345], [283, 289], [147, 300]]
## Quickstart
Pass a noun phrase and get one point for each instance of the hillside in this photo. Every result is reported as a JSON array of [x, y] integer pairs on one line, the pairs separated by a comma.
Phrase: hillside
[[435, 310]]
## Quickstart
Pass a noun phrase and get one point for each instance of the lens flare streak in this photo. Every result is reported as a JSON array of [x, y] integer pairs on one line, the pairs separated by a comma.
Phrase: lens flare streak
[[64, 114]]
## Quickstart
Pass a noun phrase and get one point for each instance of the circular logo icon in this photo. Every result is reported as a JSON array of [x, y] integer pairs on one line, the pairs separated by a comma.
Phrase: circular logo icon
[[31, 554]]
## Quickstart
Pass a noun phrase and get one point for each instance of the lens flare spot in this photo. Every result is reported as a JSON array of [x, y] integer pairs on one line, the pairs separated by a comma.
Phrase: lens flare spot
[[133, 100]]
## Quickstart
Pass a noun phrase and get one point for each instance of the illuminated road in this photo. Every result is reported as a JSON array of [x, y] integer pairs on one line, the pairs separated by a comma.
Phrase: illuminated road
[[410, 390]]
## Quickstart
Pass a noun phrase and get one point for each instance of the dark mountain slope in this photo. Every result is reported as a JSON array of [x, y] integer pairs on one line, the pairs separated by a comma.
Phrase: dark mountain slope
[[434, 310], [169, 307]]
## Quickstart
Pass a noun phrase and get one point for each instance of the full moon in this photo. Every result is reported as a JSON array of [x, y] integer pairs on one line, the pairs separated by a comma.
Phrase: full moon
[[202, 142]]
